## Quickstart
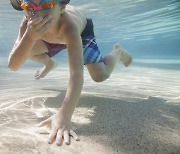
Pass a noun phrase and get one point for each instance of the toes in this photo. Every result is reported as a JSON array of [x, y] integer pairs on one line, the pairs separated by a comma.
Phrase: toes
[[37, 73], [45, 70], [117, 46], [125, 58], [127, 63], [40, 76], [37, 77]]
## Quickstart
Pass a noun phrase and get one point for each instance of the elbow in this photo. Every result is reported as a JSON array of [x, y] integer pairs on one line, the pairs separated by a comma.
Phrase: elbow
[[14, 63], [13, 67]]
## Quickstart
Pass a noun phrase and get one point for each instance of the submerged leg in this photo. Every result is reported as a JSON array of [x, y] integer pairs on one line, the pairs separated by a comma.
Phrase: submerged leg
[[101, 71], [49, 63], [124, 57], [118, 53]]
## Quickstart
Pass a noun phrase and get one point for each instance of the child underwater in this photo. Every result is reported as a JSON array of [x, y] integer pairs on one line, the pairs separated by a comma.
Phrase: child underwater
[[49, 26]]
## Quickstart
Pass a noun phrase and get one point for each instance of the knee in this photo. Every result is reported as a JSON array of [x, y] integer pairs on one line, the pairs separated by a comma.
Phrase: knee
[[101, 77]]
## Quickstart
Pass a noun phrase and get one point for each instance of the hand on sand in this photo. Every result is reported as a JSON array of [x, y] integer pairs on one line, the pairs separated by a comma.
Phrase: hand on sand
[[60, 129]]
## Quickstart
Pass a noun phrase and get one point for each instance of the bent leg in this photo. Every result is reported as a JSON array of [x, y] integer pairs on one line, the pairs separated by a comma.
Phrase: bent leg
[[49, 63], [101, 71], [38, 54], [98, 71]]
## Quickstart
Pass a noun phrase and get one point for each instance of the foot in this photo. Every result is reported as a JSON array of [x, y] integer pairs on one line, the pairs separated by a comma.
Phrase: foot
[[124, 57], [45, 70]]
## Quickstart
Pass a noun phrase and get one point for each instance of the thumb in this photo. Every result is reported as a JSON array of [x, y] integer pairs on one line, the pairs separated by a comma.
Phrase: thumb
[[43, 123]]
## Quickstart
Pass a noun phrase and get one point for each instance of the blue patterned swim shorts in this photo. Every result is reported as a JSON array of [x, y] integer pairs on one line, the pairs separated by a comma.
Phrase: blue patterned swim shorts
[[91, 53]]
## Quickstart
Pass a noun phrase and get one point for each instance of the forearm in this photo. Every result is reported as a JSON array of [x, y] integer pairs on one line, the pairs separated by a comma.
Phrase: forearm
[[73, 93], [20, 52]]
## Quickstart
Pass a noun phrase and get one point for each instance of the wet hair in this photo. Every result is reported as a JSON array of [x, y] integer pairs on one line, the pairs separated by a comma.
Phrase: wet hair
[[16, 4], [65, 2]]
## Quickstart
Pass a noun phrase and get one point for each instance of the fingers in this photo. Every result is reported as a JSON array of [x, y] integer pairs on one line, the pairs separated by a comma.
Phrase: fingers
[[41, 24], [43, 123], [40, 21], [59, 137], [52, 135], [36, 20], [38, 26], [66, 137], [74, 135], [60, 134], [46, 20], [45, 26]]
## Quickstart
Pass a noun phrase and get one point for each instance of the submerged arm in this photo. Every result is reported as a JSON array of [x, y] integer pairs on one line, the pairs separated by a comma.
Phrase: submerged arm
[[36, 28], [60, 122], [21, 48], [75, 54]]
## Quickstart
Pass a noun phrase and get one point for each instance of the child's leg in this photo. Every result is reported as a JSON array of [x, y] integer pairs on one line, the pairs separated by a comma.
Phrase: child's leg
[[39, 55], [47, 61], [101, 71]]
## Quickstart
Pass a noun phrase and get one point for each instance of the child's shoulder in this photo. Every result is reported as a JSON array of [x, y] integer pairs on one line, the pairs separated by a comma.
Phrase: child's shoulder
[[71, 19], [69, 26]]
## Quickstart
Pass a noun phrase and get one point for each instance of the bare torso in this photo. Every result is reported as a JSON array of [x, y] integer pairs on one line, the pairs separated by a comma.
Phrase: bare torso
[[71, 14]]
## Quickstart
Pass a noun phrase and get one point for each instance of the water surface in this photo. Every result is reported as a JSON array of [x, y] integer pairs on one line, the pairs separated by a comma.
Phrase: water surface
[[147, 28]]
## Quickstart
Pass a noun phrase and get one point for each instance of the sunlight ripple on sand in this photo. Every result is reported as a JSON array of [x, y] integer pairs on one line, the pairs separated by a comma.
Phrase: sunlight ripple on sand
[[135, 105]]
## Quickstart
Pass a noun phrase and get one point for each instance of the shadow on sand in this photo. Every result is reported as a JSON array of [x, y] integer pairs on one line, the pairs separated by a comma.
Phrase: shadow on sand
[[144, 126]]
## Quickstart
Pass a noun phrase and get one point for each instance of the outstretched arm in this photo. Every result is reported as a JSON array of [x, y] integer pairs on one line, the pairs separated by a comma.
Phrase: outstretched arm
[[75, 54], [60, 122]]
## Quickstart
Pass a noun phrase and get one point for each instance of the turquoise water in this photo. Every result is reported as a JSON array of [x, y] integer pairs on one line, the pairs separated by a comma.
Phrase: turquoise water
[[136, 110], [147, 28]]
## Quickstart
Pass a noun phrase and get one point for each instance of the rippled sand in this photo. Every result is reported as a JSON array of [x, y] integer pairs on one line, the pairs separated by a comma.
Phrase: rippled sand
[[135, 111]]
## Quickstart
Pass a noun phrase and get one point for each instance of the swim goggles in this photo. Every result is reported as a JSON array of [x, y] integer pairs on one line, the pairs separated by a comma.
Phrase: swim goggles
[[29, 6]]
